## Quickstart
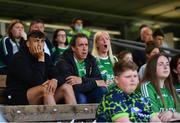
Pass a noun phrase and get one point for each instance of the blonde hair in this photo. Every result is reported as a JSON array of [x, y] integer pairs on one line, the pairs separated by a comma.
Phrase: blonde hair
[[95, 49]]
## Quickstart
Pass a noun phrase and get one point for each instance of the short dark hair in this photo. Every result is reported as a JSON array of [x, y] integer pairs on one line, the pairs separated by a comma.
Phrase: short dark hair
[[122, 66], [150, 46], [36, 21], [74, 38], [35, 34], [158, 32], [122, 54], [75, 19]]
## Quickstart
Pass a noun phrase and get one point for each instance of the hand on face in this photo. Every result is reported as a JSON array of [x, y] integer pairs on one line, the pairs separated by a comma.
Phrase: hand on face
[[16, 30], [38, 51], [36, 48], [23, 35]]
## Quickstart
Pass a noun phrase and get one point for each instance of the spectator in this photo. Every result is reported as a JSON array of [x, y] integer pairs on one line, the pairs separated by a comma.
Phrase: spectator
[[77, 27], [39, 25], [158, 87], [151, 49], [81, 71], [102, 51], [145, 36], [124, 103], [158, 36], [11, 44], [32, 78], [60, 44], [125, 55], [175, 70]]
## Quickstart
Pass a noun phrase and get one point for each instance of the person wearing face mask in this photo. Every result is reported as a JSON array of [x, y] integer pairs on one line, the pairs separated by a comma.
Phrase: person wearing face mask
[[77, 27], [10, 44]]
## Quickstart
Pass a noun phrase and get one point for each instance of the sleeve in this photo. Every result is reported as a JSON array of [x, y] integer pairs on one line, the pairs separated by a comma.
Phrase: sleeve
[[64, 70], [20, 69], [7, 51], [52, 71], [141, 72], [149, 93], [100, 114]]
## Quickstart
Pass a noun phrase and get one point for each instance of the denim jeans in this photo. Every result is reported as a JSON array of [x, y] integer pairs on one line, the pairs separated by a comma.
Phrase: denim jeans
[[94, 96]]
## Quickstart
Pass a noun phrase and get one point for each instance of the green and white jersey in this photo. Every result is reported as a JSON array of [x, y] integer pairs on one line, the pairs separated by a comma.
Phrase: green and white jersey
[[59, 50], [80, 67], [106, 68], [148, 90]]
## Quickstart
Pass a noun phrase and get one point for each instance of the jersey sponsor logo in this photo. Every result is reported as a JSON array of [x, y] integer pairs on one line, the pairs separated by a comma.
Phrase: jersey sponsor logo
[[135, 109], [167, 109], [107, 63], [138, 112]]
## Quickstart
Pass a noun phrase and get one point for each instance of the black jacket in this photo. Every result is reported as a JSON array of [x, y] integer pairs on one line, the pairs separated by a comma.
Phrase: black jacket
[[25, 71], [67, 67], [139, 56]]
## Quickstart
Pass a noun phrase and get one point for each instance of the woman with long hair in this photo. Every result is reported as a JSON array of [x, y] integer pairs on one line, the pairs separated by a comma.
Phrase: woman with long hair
[[157, 85], [102, 51], [60, 44]]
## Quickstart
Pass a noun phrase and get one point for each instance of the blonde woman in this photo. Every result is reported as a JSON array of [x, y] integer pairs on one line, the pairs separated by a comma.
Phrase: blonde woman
[[103, 52]]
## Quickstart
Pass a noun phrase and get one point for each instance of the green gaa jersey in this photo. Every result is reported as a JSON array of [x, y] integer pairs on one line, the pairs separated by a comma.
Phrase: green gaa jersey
[[148, 90], [117, 104], [81, 68], [106, 68], [59, 51]]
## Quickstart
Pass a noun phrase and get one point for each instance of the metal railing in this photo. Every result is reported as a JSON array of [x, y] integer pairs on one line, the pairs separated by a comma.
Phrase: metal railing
[[141, 46]]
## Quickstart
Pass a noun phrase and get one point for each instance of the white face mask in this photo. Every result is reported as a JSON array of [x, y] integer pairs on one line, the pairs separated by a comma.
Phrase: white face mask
[[78, 27]]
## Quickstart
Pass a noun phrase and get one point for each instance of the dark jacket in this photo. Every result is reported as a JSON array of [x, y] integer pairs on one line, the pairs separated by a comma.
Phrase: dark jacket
[[25, 71], [67, 67], [8, 48], [139, 56]]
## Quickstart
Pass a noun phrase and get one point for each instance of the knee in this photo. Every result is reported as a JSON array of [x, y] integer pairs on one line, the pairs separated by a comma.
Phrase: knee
[[66, 88]]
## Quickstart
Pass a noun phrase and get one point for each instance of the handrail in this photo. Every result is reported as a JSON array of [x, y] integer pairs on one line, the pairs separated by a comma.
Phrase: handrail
[[140, 44]]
